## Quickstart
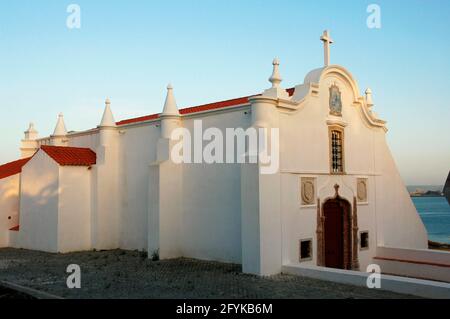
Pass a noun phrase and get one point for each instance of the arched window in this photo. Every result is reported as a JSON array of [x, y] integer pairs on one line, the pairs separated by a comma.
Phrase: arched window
[[337, 150]]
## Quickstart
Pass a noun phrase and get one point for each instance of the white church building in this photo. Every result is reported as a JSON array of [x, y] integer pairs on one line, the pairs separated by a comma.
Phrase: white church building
[[335, 198]]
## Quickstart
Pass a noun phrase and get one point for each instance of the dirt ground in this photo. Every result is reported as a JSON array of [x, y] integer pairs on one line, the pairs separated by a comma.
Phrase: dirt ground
[[130, 274]]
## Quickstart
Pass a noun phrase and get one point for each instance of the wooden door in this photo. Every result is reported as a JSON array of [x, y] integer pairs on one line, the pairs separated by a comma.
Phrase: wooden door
[[334, 235]]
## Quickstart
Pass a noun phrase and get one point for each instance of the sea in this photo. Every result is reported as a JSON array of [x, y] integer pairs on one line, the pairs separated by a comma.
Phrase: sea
[[435, 214]]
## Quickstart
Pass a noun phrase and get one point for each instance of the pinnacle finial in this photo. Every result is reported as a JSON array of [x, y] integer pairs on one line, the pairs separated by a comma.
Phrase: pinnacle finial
[[170, 106], [60, 129], [275, 79], [369, 99], [31, 133], [108, 117]]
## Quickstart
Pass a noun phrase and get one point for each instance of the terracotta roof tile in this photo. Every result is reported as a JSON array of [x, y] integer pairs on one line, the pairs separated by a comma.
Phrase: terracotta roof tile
[[71, 156], [216, 105], [200, 108], [139, 119], [12, 168]]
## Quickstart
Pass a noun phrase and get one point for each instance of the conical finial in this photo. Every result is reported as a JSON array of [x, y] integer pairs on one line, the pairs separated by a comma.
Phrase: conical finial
[[60, 129], [275, 79], [369, 99], [108, 117], [170, 106]]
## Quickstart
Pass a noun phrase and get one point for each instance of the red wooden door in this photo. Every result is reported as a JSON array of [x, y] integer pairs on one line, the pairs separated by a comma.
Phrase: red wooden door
[[334, 230]]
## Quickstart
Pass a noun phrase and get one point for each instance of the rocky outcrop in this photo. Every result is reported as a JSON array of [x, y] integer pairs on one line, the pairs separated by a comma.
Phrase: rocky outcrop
[[447, 188]]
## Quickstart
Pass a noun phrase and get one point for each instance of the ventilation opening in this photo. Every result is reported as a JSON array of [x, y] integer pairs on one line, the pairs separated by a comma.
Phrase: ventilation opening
[[364, 240], [305, 249]]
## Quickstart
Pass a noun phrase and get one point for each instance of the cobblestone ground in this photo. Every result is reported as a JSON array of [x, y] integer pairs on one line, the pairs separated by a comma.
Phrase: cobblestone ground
[[129, 274]]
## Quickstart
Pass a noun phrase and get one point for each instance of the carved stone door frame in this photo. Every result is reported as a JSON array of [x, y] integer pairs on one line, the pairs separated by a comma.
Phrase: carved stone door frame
[[351, 235]]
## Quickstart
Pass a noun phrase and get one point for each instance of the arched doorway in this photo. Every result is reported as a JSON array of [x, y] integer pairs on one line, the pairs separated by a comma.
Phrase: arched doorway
[[337, 233]]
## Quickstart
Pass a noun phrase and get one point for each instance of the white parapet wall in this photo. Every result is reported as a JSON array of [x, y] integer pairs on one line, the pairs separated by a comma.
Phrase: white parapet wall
[[409, 286], [417, 263]]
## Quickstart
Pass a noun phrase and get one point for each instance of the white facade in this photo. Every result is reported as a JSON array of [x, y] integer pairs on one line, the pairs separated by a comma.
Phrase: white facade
[[137, 197]]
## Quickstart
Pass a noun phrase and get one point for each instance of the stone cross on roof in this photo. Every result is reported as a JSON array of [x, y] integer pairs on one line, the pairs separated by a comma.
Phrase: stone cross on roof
[[326, 46]]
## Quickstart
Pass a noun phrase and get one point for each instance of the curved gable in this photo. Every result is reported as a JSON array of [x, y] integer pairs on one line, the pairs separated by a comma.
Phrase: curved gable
[[338, 75]]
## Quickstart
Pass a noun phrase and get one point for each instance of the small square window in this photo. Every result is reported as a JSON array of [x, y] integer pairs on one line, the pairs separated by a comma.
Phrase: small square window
[[364, 240], [305, 249]]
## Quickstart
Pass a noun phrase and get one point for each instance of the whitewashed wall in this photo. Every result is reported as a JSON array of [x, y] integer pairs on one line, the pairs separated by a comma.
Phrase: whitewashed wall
[[9, 207], [86, 139], [211, 225], [165, 204], [74, 216], [401, 226], [138, 150]]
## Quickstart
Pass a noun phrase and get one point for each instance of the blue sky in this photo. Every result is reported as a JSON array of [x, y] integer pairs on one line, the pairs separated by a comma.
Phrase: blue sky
[[216, 50]]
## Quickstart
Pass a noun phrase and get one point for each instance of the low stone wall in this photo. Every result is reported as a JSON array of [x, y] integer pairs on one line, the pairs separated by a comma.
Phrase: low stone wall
[[417, 263], [410, 286]]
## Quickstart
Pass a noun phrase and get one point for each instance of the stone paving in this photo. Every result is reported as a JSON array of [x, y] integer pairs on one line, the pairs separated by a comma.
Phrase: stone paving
[[130, 274]]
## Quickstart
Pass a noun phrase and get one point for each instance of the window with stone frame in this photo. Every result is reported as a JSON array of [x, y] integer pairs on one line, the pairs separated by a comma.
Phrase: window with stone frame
[[337, 150]]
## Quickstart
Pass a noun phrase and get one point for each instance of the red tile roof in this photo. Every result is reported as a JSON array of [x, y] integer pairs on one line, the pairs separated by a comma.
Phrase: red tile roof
[[16, 228], [12, 168], [200, 108], [71, 156], [139, 119], [216, 105]]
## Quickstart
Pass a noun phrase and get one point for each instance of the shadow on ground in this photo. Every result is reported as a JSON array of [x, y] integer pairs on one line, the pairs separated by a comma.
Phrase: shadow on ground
[[7, 294]]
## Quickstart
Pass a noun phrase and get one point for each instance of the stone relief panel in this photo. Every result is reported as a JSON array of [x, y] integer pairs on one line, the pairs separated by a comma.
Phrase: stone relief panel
[[308, 191], [361, 190]]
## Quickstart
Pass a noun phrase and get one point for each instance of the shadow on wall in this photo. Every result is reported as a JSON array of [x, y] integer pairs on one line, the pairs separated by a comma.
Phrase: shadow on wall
[[39, 217], [9, 203], [41, 198]]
